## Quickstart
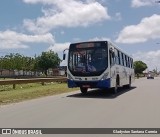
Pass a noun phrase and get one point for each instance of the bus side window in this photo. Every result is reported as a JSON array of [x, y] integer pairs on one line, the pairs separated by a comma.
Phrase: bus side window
[[129, 60], [119, 59], [131, 63], [122, 59], [116, 57], [112, 58], [126, 61]]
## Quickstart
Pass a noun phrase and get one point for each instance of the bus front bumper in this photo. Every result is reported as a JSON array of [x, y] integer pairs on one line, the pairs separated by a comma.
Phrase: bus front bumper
[[89, 84]]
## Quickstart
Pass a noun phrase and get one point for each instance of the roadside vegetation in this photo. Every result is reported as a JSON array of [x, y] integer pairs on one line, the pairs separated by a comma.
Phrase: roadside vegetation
[[139, 67], [40, 63], [16, 61], [30, 91]]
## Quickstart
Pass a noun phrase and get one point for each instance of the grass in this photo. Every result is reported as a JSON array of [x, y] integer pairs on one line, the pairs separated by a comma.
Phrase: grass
[[30, 91]]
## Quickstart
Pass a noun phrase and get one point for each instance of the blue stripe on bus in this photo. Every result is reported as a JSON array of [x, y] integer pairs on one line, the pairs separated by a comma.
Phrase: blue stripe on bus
[[93, 84], [71, 83], [104, 83]]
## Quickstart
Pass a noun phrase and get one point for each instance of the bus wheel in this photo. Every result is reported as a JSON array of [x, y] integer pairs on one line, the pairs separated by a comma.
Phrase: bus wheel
[[129, 85], [115, 89], [83, 90]]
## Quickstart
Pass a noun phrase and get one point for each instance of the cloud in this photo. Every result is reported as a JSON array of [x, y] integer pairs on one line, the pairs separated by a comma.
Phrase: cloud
[[13, 40], [147, 29], [118, 16], [66, 13], [100, 39], [151, 58], [59, 47], [140, 3]]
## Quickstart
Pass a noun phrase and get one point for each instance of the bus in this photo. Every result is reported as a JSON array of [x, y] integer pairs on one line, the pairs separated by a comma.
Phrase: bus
[[98, 64]]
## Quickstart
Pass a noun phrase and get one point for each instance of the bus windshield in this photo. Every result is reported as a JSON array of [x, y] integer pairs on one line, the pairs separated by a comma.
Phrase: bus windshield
[[88, 59]]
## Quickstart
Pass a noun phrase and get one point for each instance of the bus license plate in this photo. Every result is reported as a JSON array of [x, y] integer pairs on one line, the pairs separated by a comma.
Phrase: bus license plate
[[86, 86]]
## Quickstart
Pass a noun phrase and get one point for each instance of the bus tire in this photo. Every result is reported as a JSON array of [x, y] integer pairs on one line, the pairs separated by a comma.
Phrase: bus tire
[[115, 89], [83, 90], [129, 85]]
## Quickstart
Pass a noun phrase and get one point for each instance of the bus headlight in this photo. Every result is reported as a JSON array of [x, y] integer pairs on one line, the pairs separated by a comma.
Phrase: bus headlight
[[105, 76], [69, 77]]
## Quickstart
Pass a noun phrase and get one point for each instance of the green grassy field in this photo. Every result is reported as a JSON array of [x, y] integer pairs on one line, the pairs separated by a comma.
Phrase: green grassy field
[[30, 91]]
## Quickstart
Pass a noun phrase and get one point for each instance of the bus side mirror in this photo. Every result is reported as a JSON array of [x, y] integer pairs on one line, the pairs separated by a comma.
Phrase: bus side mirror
[[64, 56]]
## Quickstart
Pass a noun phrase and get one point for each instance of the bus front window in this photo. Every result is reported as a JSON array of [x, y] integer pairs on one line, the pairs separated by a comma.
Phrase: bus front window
[[88, 61]]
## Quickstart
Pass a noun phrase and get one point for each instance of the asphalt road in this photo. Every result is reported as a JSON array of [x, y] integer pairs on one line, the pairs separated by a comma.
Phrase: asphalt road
[[138, 107]]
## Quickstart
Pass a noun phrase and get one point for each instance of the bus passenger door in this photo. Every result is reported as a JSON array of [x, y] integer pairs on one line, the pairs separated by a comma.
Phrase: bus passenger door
[[112, 66]]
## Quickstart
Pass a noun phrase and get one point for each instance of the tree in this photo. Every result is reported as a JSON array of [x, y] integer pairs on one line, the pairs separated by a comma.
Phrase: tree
[[17, 61], [139, 67], [47, 60], [20, 62]]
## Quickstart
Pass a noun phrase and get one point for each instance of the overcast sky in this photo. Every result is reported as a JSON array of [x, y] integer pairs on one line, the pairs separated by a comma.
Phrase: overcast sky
[[32, 26]]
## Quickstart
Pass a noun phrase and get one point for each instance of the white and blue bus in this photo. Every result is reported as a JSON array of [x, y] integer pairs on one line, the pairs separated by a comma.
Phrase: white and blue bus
[[98, 64]]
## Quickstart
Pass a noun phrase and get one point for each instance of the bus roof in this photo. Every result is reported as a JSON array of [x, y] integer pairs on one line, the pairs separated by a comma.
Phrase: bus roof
[[89, 42], [109, 42]]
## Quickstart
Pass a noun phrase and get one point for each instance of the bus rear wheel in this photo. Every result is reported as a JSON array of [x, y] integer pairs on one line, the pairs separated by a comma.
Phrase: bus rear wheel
[[83, 90], [129, 85]]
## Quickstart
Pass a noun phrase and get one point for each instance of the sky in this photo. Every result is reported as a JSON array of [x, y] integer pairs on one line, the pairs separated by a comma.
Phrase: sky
[[30, 27]]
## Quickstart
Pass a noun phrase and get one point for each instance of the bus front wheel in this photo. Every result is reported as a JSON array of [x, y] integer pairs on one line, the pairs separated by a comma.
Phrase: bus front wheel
[[115, 89], [83, 90]]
